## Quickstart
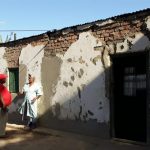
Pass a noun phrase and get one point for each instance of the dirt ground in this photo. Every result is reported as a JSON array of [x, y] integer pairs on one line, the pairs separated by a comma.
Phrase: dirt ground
[[43, 139]]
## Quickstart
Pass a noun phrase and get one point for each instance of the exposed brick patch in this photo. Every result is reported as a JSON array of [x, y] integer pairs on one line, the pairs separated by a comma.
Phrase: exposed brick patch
[[118, 31], [12, 56], [13, 49], [60, 44]]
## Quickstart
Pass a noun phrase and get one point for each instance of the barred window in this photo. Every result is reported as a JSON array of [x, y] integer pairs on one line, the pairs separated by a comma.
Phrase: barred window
[[133, 81]]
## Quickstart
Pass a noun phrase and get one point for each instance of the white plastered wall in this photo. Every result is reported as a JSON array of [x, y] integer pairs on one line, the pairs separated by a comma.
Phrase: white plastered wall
[[31, 56], [80, 91]]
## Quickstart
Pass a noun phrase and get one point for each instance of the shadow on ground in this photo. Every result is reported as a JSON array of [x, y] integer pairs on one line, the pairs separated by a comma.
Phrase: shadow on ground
[[19, 139]]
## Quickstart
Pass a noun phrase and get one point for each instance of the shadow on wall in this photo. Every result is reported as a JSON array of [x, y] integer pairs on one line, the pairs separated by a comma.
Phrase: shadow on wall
[[84, 121], [14, 117], [80, 111]]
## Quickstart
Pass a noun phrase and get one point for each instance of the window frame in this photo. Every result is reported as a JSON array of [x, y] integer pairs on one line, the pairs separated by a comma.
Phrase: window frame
[[15, 71]]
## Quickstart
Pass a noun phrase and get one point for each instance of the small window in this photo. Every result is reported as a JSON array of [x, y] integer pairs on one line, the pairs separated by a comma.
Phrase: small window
[[129, 81], [133, 81], [14, 80]]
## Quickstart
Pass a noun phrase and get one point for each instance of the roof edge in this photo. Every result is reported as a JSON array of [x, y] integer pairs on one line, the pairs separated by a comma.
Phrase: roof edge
[[75, 27]]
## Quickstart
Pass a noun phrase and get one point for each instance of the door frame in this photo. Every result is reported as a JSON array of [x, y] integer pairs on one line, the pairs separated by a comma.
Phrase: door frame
[[112, 82]]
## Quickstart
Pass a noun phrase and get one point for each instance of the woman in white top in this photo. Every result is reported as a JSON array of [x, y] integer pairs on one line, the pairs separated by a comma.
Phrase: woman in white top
[[32, 92]]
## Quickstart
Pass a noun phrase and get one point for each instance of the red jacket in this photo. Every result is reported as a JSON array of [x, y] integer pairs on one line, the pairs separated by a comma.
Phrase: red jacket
[[7, 98]]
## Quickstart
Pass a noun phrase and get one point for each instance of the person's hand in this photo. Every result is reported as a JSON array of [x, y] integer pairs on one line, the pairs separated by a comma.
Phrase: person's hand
[[33, 100], [19, 93]]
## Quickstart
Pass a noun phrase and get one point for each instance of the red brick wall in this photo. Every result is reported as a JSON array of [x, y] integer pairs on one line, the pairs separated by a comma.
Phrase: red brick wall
[[13, 49], [60, 43]]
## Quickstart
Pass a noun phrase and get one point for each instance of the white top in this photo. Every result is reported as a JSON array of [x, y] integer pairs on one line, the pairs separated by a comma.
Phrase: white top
[[32, 91]]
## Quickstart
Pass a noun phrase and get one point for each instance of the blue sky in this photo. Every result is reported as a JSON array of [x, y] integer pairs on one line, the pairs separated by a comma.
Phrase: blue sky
[[57, 14]]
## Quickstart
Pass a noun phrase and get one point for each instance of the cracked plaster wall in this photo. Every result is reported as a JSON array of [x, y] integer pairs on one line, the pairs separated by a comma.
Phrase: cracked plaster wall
[[139, 43], [32, 58], [80, 91]]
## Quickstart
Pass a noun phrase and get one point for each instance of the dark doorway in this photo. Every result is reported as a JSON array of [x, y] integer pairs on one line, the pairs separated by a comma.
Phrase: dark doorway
[[129, 96]]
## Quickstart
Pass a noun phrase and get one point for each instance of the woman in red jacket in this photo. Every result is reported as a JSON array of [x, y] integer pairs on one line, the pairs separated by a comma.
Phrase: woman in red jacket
[[5, 100]]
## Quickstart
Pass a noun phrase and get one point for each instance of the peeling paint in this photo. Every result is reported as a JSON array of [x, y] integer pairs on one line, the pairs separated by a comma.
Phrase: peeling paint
[[69, 60], [97, 58], [70, 83], [90, 113], [79, 92], [72, 78], [81, 61], [105, 58], [121, 47], [88, 86], [99, 48], [129, 44], [33, 60], [65, 83], [72, 69], [140, 42], [80, 73]]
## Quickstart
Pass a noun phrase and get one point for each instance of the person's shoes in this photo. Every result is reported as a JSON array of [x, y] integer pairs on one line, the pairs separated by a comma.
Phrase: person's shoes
[[27, 128], [30, 124], [33, 126]]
